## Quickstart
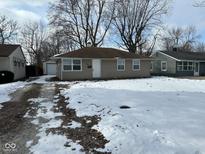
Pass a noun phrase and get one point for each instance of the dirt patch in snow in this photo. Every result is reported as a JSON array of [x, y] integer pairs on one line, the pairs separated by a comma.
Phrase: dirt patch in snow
[[90, 139], [14, 128], [125, 107], [11, 116]]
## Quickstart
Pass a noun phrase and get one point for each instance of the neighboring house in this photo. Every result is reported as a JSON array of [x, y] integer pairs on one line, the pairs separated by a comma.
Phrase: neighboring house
[[178, 63], [101, 63], [12, 59], [49, 67]]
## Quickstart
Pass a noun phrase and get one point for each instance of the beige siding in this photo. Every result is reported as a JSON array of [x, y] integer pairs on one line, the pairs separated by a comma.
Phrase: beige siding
[[171, 64], [19, 71], [4, 64], [86, 72], [108, 70]]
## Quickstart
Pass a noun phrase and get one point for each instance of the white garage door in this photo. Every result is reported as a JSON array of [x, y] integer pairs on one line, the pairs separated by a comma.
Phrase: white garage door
[[51, 69]]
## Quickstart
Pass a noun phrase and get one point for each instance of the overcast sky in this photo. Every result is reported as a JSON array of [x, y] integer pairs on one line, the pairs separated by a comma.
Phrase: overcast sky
[[182, 13]]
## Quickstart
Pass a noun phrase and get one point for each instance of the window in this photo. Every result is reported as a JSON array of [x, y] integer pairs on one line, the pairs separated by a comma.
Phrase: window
[[184, 66], [22, 64], [163, 66], [14, 61], [120, 64], [180, 66], [72, 64], [76, 64], [136, 64], [190, 66], [19, 63], [67, 64]]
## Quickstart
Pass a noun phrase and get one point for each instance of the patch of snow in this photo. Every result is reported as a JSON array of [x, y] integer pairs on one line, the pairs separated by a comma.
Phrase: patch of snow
[[29, 143], [27, 115], [37, 100], [46, 110], [55, 100], [1, 106], [56, 97], [53, 144], [74, 125], [43, 79], [166, 115], [35, 122]]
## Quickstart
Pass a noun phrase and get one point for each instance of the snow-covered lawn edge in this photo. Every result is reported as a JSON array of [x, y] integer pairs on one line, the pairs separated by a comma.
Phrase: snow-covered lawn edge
[[164, 84]]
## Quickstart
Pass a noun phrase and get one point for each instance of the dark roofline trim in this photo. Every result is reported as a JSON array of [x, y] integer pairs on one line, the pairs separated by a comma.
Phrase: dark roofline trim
[[56, 58], [19, 46], [170, 56], [90, 53], [181, 59], [16, 45]]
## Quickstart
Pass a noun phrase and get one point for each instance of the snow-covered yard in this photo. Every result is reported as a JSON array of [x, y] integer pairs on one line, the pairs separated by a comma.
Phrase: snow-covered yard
[[164, 115]]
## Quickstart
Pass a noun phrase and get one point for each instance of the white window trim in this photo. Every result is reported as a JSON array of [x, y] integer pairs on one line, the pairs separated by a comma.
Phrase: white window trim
[[71, 64], [124, 65], [187, 66], [163, 70], [133, 65]]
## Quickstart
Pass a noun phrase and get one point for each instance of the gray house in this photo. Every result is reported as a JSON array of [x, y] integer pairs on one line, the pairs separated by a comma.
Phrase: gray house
[[12, 59], [178, 63], [101, 63]]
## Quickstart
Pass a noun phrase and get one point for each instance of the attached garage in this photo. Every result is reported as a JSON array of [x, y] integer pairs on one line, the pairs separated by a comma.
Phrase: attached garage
[[49, 67]]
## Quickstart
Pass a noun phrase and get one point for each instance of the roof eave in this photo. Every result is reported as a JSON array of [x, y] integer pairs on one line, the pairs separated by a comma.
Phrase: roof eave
[[169, 56]]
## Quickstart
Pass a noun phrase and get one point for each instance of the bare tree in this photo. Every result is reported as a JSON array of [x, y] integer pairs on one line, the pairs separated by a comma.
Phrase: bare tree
[[8, 29], [134, 20], [199, 3], [182, 38], [150, 44], [172, 38], [33, 37], [84, 21], [200, 47], [56, 43]]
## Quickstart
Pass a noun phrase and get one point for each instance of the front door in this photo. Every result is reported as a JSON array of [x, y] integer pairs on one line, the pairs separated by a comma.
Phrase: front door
[[196, 68], [96, 66]]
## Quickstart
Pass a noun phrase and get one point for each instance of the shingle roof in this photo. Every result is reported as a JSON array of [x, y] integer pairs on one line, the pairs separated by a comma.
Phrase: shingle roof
[[98, 52], [182, 55], [7, 49]]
